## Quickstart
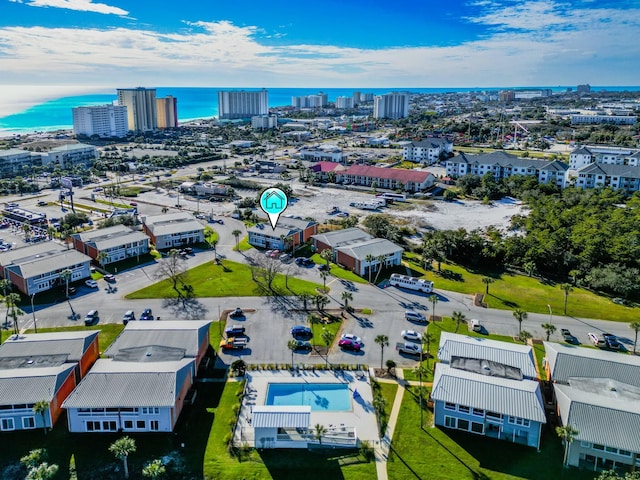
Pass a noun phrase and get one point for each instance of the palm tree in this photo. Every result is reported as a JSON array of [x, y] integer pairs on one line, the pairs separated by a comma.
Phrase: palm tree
[[324, 275], [101, 257], [529, 268], [635, 326], [40, 408], [154, 469], [122, 448], [524, 336], [319, 432], [326, 255], [321, 301], [426, 345], [369, 259], [26, 228], [236, 233], [65, 275], [459, 318], [383, 341], [292, 344], [433, 299], [487, 281], [549, 328], [566, 288], [214, 243], [567, 433], [327, 338], [165, 209], [11, 301], [520, 315], [44, 471], [304, 298], [346, 297], [5, 285], [381, 259], [420, 370]]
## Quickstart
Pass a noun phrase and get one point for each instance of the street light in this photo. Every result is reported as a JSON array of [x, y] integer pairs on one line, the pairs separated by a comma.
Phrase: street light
[[35, 326], [550, 313]]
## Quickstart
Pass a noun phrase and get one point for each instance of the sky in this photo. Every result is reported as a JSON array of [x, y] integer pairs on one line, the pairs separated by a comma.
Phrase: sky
[[332, 43]]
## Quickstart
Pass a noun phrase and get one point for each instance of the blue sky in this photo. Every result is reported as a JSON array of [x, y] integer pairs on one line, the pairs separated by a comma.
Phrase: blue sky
[[348, 43]]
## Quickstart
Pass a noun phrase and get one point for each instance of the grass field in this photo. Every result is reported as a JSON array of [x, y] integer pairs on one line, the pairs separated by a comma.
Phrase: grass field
[[108, 332], [243, 245], [441, 454], [230, 279], [510, 291], [337, 271]]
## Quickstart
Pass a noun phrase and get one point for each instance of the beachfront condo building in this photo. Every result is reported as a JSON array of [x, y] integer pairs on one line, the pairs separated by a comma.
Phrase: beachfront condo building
[[167, 108], [344, 102], [238, 104], [318, 100], [141, 108], [102, 120], [391, 105]]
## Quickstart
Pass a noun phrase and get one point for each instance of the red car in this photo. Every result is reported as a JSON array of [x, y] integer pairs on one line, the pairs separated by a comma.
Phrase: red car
[[349, 344]]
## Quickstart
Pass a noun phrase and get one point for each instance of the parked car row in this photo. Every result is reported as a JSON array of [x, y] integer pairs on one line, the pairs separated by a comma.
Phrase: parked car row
[[351, 342], [605, 340]]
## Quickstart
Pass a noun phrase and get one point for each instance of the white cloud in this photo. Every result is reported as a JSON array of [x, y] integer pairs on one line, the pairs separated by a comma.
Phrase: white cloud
[[552, 47], [80, 5]]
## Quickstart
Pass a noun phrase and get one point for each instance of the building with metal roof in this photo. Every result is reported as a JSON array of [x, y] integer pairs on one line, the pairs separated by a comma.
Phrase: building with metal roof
[[117, 243], [174, 338], [173, 230], [566, 361], [339, 238], [427, 150], [22, 388], [502, 408], [130, 396], [389, 178], [37, 268], [289, 233], [511, 354], [356, 256], [606, 415]]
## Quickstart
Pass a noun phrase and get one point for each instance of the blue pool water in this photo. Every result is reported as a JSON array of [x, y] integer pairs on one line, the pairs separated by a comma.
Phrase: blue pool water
[[321, 397]]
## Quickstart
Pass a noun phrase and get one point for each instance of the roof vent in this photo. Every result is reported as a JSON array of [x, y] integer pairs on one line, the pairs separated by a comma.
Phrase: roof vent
[[148, 354]]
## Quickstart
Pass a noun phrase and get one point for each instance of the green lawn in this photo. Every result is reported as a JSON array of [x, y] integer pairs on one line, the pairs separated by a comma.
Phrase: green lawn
[[338, 271], [441, 454], [210, 235], [319, 328], [510, 291], [230, 279], [276, 464], [243, 245], [108, 332]]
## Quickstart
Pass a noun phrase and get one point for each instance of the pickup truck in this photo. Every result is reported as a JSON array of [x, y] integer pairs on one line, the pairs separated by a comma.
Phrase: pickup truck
[[408, 347], [233, 343]]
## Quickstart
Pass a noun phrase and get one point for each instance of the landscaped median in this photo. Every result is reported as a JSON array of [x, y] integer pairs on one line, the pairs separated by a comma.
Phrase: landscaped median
[[338, 271], [227, 279]]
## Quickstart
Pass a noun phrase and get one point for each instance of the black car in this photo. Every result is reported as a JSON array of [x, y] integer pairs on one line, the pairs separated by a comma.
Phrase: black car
[[235, 331], [302, 345], [304, 262], [566, 335], [146, 314], [323, 267], [236, 313], [300, 331], [109, 278], [611, 342]]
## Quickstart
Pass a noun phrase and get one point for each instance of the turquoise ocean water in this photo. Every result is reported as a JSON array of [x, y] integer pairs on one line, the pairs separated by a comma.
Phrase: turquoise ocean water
[[198, 103]]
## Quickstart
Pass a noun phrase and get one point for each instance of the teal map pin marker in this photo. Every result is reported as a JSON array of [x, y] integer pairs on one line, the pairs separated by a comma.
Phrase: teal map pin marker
[[273, 202]]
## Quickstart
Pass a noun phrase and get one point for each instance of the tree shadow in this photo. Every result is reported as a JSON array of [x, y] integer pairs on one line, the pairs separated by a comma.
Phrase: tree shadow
[[507, 303], [315, 463], [450, 275]]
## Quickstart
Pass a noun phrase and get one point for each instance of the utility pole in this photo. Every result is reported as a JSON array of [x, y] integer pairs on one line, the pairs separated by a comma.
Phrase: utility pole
[[33, 312]]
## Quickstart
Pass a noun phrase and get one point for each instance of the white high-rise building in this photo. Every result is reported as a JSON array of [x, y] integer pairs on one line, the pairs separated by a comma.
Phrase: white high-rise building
[[236, 104], [141, 108], [391, 105], [102, 120], [167, 112], [310, 101], [344, 102]]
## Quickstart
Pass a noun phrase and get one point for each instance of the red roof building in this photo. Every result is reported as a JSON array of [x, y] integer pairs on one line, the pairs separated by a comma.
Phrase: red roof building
[[391, 178]]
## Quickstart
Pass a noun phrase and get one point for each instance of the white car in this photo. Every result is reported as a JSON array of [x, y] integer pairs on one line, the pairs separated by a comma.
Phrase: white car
[[596, 340], [352, 337], [91, 284], [411, 335]]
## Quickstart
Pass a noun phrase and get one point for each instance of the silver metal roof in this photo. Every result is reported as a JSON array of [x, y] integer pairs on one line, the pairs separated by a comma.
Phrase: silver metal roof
[[516, 398], [183, 334], [566, 361], [129, 384], [110, 237], [603, 411], [375, 247], [172, 223], [511, 354], [32, 262], [339, 238], [73, 344], [279, 416], [30, 385]]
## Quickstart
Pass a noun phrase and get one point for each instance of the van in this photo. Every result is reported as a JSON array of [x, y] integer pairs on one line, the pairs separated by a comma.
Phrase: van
[[91, 318], [128, 316], [475, 325], [414, 316]]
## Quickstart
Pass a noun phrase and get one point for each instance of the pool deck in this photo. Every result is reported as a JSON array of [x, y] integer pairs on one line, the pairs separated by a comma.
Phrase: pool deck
[[361, 416]]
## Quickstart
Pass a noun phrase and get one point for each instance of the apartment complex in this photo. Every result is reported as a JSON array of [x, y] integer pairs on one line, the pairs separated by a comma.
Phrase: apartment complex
[[103, 120], [344, 102], [427, 151], [141, 108], [174, 230], [264, 122], [391, 105], [318, 100], [111, 244], [15, 160], [389, 178], [239, 104], [167, 109], [74, 154]]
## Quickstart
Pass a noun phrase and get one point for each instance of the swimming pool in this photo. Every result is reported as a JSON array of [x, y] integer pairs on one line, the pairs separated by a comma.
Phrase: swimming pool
[[322, 397]]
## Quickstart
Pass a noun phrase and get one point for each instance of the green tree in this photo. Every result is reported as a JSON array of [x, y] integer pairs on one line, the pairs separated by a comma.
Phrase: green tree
[[101, 257], [487, 281], [524, 336], [346, 298], [40, 408], [236, 234], [434, 300], [421, 371], [459, 318], [65, 276], [154, 469], [567, 433], [44, 471], [426, 346], [305, 298], [33, 458], [319, 432], [369, 259], [549, 328], [321, 301], [214, 243], [327, 255], [324, 275], [122, 448], [529, 268], [566, 288], [327, 338], [635, 326], [292, 345], [5, 285], [11, 301], [520, 315], [383, 341]]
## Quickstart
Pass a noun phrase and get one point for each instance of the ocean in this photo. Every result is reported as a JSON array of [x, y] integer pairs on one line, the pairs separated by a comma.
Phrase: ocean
[[194, 103]]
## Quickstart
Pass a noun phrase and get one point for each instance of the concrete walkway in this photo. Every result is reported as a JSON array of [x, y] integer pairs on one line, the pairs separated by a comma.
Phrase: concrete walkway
[[381, 450]]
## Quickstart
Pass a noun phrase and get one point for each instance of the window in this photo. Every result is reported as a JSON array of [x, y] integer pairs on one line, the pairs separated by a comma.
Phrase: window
[[154, 425], [610, 449], [128, 424], [449, 422], [450, 406], [93, 426], [585, 444], [7, 424], [463, 424], [479, 412], [28, 422], [477, 427], [624, 453], [109, 426], [494, 416], [141, 424], [463, 409], [597, 446]]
